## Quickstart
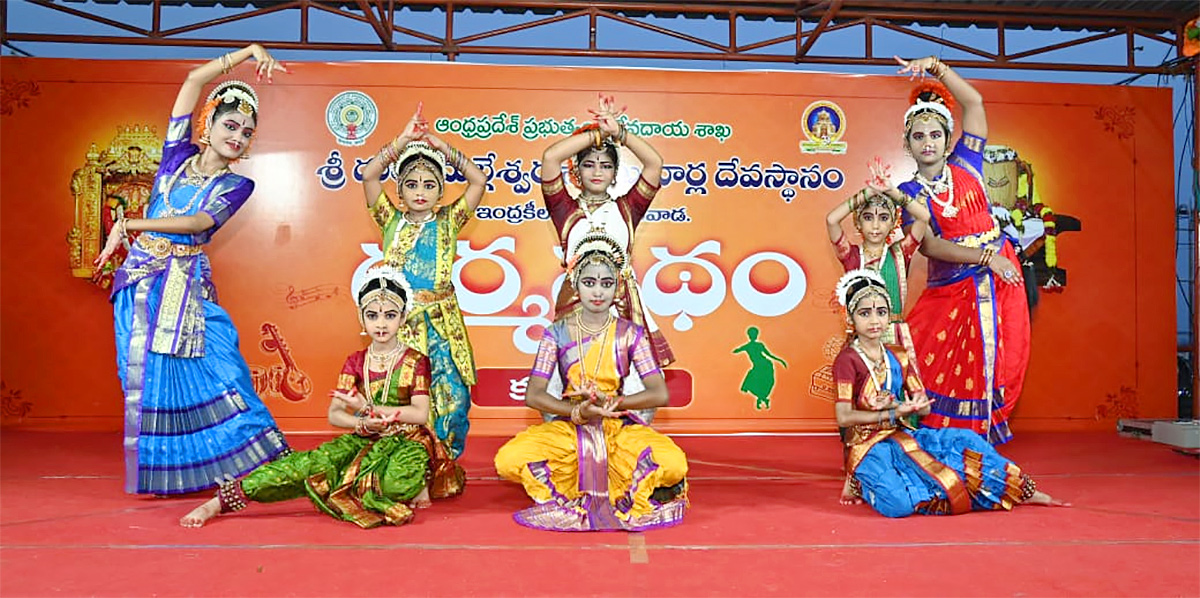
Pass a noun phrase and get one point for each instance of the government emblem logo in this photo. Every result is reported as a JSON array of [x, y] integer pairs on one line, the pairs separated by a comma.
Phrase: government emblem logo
[[824, 123], [351, 116]]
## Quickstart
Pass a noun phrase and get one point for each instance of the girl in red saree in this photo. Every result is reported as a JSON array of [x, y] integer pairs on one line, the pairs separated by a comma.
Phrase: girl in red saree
[[970, 326]]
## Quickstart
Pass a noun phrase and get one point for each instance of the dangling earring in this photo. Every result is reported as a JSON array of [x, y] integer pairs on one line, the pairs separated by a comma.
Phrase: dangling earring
[[204, 139]]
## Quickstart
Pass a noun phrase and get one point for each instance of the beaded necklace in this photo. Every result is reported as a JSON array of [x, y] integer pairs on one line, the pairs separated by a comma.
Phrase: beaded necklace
[[944, 184], [580, 330], [874, 366], [390, 359], [193, 177]]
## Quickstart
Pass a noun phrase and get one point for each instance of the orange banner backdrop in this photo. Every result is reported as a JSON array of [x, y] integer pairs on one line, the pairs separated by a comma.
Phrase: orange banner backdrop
[[736, 239]]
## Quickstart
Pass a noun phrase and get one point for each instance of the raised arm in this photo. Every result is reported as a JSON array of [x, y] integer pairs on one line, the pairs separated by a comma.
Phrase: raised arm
[[974, 119], [842, 209], [476, 180], [606, 117], [373, 171], [189, 92], [558, 153]]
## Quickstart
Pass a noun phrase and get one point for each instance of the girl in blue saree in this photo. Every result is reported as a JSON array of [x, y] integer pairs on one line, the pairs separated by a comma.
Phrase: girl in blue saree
[[192, 417], [420, 238], [900, 472]]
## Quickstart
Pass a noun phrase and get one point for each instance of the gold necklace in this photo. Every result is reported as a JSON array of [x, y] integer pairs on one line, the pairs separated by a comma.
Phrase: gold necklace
[[596, 330], [387, 378], [871, 256], [583, 348], [430, 215], [875, 366]]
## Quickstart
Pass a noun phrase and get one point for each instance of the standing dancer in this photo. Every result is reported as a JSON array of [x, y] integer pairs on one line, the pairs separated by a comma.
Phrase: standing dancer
[[971, 324], [885, 248], [594, 170], [392, 463], [421, 239], [596, 465], [192, 417], [898, 472]]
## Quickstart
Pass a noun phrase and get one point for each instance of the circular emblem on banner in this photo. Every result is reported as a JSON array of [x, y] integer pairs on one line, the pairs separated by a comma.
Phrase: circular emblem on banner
[[351, 116], [824, 123]]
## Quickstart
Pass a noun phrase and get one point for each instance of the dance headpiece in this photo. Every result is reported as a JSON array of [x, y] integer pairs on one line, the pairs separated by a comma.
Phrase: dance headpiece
[[931, 101], [876, 200], [384, 283], [236, 95], [596, 248], [419, 155], [239, 94], [856, 285]]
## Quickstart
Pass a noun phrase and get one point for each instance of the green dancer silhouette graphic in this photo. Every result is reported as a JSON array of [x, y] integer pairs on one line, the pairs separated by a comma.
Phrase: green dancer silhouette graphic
[[760, 380]]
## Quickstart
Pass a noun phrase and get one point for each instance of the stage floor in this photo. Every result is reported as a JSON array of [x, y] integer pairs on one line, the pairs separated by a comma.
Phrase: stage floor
[[764, 521]]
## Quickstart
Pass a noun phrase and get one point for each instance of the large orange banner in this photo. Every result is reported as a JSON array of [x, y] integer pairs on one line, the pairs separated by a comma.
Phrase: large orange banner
[[733, 259]]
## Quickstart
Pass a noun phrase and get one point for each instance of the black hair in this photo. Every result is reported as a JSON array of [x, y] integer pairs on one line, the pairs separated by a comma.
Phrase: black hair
[[410, 159], [607, 149], [853, 289], [378, 283]]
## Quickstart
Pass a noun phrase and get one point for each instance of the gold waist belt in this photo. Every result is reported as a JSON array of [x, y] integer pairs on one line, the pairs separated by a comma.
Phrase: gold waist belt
[[425, 296], [161, 247]]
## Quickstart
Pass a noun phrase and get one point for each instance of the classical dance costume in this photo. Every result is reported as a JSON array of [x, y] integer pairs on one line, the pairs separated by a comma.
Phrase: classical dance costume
[[607, 474], [617, 219], [970, 330], [192, 417], [926, 471], [893, 267], [425, 254], [366, 480]]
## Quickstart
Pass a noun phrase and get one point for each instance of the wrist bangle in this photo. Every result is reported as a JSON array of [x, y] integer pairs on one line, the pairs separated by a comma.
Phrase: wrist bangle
[[226, 63], [892, 416]]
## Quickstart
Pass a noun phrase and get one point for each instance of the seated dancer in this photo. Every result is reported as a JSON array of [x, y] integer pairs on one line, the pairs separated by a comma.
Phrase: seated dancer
[[421, 239], [971, 324], [593, 170], [898, 472], [596, 465], [192, 416], [392, 462]]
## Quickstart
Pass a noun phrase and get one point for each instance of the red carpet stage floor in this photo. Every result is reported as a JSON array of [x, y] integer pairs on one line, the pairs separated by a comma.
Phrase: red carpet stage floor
[[764, 522]]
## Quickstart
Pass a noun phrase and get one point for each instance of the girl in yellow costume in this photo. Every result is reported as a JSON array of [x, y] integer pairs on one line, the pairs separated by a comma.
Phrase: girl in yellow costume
[[596, 466], [421, 239]]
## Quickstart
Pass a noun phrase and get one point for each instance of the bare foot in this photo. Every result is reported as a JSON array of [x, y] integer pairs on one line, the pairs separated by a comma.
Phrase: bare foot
[[1041, 498], [422, 500], [201, 514], [848, 497]]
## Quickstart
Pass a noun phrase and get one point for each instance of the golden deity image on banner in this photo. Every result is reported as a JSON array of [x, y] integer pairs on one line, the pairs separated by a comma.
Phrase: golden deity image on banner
[[112, 183], [1023, 214]]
